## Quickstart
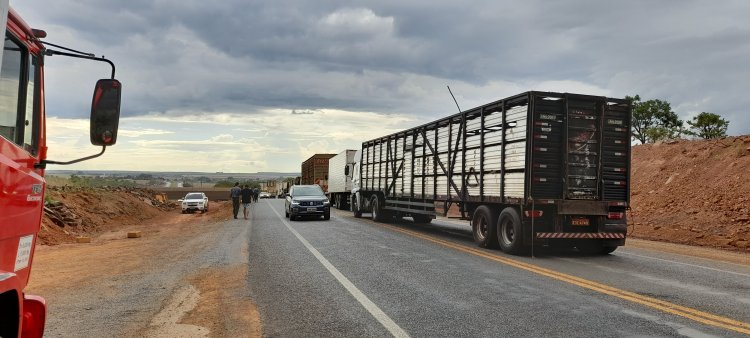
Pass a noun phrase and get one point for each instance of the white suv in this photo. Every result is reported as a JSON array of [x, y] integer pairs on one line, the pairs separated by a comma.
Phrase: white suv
[[195, 201]]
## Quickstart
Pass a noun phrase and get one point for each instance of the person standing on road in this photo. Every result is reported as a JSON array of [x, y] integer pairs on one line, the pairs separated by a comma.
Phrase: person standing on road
[[256, 192], [247, 197], [235, 193]]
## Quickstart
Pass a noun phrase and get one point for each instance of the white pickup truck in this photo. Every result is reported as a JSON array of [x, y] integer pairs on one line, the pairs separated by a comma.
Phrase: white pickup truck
[[195, 201]]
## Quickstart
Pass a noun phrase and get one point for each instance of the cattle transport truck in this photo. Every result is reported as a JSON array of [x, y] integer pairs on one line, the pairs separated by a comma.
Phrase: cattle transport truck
[[536, 168], [340, 168], [23, 158]]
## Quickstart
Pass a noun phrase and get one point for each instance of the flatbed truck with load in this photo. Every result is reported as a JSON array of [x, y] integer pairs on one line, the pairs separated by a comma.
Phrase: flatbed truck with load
[[537, 168], [23, 159], [340, 170]]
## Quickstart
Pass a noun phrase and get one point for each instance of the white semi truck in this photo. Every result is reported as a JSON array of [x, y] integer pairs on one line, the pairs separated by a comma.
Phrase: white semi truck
[[340, 170]]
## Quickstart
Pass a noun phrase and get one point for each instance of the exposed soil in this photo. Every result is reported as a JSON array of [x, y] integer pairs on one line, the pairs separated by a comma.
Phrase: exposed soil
[[693, 192], [111, 256]]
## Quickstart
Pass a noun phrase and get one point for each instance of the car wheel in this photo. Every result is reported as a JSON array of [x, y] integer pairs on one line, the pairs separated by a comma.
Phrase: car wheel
[[292, 217], [510, 234], [484, 227], [327, 216], [184, 211], [286, 213]]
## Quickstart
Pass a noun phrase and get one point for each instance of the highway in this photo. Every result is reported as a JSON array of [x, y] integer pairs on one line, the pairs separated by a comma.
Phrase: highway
[[209, 275], [353, 277]]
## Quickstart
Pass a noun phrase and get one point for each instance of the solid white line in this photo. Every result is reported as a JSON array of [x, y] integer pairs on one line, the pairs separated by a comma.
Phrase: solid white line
[[681, 263], [373, 309]]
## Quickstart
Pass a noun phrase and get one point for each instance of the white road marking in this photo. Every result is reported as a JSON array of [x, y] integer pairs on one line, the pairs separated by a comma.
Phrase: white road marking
[[681, 263], [373, 309]]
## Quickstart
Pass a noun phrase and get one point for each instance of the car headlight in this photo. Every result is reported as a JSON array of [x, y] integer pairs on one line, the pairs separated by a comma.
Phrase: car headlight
[[294, 202], [326, 202]]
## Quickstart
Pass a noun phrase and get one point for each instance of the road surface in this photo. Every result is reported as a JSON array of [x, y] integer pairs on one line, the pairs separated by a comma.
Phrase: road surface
[[350, 277]]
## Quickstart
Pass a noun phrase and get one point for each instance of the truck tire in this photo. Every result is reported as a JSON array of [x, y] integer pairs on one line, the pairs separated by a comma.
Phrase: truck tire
[[337, 202], [356, 208], [422, 219], [510, 231], [378, 214], [484, 227]]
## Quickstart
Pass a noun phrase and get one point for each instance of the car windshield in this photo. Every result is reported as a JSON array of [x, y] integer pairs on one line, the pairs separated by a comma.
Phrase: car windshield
[[194, 196], [308, 191]]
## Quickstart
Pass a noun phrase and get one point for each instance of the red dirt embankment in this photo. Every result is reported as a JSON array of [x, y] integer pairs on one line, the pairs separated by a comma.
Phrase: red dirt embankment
[[693, 192]]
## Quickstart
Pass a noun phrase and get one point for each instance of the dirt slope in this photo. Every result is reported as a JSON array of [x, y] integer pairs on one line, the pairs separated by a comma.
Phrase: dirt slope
[[693, 192], [75, 211]]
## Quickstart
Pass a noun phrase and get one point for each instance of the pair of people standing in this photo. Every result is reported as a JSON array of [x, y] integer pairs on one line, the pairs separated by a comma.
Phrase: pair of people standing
[[244, 195]]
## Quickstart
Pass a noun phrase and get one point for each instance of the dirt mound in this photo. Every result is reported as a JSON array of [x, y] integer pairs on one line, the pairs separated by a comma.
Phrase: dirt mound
[[75, 211], [693, 192]]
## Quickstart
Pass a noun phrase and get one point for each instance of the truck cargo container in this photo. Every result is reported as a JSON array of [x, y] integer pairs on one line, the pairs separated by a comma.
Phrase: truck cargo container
[[340, 169], [315, 170], [537, 168]]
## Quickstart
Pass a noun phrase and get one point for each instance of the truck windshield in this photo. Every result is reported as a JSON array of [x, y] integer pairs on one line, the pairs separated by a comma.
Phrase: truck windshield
[[308, 191], [194, 197]]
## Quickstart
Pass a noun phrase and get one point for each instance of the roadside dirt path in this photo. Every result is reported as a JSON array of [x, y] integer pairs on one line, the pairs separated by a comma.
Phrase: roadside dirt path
[[176, 280]]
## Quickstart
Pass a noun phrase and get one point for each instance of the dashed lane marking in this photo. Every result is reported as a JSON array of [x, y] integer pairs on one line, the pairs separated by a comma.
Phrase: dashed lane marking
[[373, 309]]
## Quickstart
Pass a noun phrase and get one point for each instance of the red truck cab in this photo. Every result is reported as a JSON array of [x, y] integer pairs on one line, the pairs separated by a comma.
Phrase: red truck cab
[[23, 152]]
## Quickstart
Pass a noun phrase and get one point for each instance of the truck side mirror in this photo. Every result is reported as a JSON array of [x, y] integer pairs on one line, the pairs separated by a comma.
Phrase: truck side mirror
[[105, 112], [346, 170]]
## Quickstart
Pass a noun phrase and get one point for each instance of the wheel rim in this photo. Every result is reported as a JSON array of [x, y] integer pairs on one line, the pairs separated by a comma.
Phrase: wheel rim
[[482, 226], [508, 232]]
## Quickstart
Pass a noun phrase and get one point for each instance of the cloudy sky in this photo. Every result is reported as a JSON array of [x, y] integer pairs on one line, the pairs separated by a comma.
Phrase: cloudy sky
[[248, 86]]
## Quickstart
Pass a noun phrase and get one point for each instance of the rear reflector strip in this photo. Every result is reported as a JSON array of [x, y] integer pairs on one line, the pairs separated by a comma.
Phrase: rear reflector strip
[[607, 235]]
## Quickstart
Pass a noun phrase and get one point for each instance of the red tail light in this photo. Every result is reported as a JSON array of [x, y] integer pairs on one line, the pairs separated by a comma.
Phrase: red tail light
[[533, 213], [34, 315], [616, 215]]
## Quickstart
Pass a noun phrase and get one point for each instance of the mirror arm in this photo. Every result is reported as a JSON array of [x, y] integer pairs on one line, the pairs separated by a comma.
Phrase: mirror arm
[[51, 52], [43, 163]]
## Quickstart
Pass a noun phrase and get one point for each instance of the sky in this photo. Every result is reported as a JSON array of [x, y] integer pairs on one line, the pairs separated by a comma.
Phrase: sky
[[252, 86]]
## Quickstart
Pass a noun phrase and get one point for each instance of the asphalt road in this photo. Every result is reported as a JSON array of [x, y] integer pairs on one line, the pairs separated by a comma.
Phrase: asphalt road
[[350, 277]]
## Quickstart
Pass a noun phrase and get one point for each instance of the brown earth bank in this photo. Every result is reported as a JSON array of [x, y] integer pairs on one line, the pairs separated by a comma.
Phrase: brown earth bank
[[692, 192]]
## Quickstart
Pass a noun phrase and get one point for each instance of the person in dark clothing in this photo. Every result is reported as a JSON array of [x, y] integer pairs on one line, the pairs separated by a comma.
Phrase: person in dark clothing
[[256, 192], [234, 193], [247, 197]]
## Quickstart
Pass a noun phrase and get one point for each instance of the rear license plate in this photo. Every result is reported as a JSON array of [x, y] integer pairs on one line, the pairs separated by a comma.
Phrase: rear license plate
[[579, 221], [312, 209]]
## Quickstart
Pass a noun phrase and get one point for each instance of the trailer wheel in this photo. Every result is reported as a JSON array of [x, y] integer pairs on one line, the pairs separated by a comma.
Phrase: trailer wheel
[[356, 208], [510, 235], [378, 214], [483, 227]]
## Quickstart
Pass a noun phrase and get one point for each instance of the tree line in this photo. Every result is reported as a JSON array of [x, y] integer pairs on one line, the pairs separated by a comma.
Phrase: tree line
[[654, 120]]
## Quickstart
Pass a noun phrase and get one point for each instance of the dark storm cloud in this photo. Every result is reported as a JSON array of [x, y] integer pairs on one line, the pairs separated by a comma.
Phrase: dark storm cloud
[[397, 56]]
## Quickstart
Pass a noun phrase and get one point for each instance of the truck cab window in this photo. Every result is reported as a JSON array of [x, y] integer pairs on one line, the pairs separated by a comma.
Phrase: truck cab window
[[31, 123], [10, 80]]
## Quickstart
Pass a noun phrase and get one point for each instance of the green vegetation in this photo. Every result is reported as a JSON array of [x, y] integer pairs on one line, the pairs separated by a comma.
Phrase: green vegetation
[[93, 181], [708, 126], [230, 183], [654, 121]]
